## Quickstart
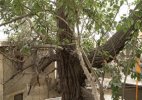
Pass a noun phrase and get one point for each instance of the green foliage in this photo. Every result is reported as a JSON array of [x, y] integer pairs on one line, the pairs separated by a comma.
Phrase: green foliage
[[91, 16], [116, 85], [88, 45]]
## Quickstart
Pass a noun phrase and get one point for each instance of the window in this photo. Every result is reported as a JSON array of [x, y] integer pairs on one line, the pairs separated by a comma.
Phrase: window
[[18, 96]]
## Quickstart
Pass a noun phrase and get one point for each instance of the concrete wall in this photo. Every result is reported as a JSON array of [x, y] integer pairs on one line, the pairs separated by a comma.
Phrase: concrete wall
[[20, 83]]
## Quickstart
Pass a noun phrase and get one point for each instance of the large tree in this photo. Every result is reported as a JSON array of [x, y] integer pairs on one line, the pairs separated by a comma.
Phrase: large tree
[[64, 25]]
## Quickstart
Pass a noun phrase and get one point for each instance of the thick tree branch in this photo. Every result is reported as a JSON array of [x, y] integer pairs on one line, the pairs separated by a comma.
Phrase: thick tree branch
[[113, 46], [45, 61], [87, 73]]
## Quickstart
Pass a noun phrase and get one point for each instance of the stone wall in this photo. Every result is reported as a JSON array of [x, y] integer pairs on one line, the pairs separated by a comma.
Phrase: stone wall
[[21, 83]]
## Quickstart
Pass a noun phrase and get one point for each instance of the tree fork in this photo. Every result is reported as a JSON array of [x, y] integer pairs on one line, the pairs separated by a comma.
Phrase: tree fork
[[68, 74], [69, 69]]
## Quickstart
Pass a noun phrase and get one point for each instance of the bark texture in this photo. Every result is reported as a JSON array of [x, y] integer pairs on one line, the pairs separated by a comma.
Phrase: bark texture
[[70, 76], [69, 69], [112, 47]]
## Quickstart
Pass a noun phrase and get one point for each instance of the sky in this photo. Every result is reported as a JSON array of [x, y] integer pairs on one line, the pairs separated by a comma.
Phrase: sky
[[3, 36], [123, 10]]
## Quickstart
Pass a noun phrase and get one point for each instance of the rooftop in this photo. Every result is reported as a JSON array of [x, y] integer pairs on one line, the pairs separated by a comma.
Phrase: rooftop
[[3, 43]]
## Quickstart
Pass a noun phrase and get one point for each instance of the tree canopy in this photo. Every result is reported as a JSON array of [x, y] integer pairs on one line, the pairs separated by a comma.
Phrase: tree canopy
[[63, 24]]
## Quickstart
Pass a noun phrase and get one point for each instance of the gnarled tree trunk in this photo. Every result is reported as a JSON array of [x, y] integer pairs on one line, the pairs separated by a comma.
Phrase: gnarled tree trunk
[[70, 76], [69, 70]]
